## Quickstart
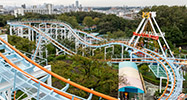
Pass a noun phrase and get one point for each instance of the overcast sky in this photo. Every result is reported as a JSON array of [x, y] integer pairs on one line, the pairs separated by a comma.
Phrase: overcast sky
[[97, 2]]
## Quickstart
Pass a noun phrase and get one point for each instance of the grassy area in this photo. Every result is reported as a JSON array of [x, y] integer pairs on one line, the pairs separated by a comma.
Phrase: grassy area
[[149, 76]]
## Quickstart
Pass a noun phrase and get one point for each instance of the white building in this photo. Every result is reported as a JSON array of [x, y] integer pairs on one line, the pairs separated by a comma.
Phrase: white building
[[2, 9], [47, 10]]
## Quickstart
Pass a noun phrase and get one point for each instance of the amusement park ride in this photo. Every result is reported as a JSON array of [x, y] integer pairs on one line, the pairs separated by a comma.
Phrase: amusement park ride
[[20, 73]]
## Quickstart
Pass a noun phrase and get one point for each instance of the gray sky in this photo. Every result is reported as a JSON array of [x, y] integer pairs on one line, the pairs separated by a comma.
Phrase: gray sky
[[97, 2]]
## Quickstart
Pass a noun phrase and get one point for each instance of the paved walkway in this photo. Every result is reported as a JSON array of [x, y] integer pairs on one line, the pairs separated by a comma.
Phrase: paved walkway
[[151, 89]]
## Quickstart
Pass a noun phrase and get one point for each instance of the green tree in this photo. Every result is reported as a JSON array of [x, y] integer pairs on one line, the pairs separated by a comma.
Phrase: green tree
[[144, 68], [117, 34], [88, 21], [172, 21], [51, 49], [4, 19], [71, 20], [22, 43], [96, 20], [81, 15], [87, 72], [173, 34]]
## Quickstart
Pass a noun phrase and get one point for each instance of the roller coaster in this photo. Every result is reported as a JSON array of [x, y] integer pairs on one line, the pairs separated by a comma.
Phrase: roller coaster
[[20, 73]]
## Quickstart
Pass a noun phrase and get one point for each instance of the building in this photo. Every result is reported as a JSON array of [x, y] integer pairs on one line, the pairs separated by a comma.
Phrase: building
[[1, 6], [49, 8], [77, 4], [22, 10], [130, 81], [23, 6], [1, 9], [125, 12]]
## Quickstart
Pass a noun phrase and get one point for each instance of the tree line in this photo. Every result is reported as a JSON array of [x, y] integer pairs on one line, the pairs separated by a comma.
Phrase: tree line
[[172, 21]]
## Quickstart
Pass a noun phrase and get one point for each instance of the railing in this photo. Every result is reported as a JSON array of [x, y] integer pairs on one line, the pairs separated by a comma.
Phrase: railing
[[45, 20], [39, 20], [181, 56], [38, 60]]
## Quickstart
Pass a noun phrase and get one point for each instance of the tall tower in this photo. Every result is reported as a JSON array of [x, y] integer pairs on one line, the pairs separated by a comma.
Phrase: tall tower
[[77, 4], [49, 8]]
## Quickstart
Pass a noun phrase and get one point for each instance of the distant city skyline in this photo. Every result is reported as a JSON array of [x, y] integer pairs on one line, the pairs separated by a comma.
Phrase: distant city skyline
[[97, 3]]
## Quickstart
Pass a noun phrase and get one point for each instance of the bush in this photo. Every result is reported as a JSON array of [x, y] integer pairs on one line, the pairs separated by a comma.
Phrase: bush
[[157, 94], [144, 68], [154, 81], [61, 57]]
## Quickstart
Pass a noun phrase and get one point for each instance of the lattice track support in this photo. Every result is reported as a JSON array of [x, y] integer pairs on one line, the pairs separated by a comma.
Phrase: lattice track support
[[6, 94], [57, 31]]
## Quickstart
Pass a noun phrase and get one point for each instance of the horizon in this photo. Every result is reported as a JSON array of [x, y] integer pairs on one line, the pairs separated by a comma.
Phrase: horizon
[[102, 3]]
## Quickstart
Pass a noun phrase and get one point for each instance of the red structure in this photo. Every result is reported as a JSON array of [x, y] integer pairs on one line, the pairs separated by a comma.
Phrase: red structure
[[146, 35]]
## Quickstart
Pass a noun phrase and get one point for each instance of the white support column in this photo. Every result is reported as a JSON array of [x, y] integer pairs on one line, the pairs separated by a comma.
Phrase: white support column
[[83, 50], [9, 93], [131, 40], [10, 30], [68, 36], [90, 41], [51, 26], [105, 54], [136, 41], [56, 31], [46, 53], [61, 32], [179, 67], [46, 28], [184, 73], [140, 32], [29, 32], [39, 26], [76, 46], [32, 35], [93, 52], [112, 52], [21, 30], [131, 57], [65, 36], [122, 52], [157, 69], [49, 80], [18, 30], [85, 37], [160, 88], [139, 26], [57, 51], [145, 57]]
